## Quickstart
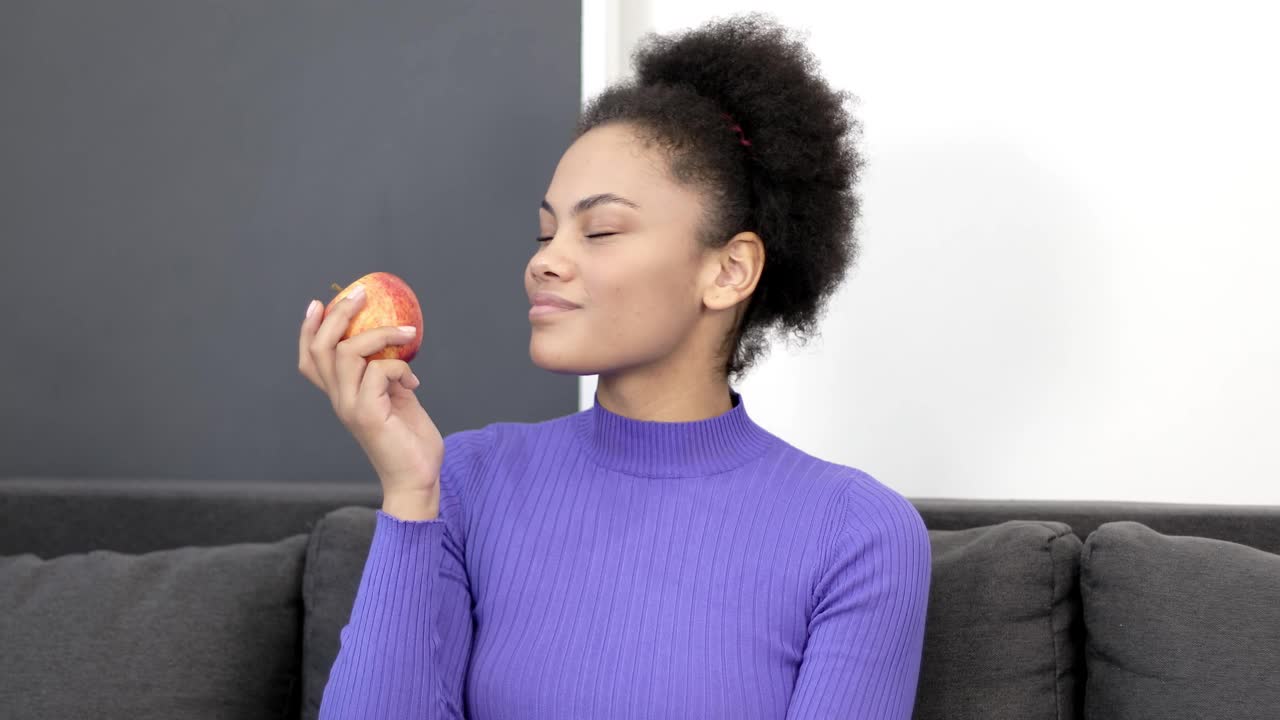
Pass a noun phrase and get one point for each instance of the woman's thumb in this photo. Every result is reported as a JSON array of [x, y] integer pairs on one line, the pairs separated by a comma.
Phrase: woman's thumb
[[408, 379], [397, 372]]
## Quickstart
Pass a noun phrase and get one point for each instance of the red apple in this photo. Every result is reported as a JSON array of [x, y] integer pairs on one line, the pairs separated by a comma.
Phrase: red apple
[[388, 300]]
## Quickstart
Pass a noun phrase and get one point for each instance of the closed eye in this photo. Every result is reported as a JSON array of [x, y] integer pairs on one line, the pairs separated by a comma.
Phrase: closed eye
[[548, 239]]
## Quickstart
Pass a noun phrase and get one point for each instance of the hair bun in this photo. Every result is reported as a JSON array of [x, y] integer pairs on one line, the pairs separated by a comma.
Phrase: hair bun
[[749, 66]]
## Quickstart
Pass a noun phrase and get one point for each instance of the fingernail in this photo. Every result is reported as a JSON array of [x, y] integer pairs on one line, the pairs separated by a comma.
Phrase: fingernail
[[357, 292], [407, 329], [311, 308]]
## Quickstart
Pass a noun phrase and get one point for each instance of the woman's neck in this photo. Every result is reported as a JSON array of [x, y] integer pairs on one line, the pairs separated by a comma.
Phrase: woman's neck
[[655, 400]]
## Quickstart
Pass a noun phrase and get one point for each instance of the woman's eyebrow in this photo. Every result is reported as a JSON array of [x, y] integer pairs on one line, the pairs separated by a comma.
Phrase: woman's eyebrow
[[591, 201]]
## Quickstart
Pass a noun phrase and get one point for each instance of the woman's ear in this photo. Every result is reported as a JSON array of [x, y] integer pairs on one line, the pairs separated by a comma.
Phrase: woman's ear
[[736, 270]]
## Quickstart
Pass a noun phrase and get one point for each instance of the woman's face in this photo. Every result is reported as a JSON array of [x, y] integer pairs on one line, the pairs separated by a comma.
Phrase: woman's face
[[640, 282]]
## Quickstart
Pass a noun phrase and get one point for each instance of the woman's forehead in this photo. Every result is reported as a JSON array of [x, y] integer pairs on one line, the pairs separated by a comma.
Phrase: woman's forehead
[[612, 160]]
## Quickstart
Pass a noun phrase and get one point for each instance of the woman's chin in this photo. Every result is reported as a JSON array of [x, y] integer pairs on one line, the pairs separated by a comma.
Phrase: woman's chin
[[557, 362]]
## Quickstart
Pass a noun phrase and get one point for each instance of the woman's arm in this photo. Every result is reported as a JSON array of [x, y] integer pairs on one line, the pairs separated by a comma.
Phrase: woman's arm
[[405, 650], [866, 632]]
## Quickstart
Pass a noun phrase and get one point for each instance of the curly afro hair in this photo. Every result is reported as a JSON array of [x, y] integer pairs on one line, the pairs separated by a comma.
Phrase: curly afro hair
[[793, 185]]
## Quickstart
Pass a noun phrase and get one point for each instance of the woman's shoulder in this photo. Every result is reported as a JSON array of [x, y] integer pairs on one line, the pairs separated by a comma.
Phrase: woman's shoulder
[[882, 522], [839, 477], [505, 440], [464, 448], [861, 502]]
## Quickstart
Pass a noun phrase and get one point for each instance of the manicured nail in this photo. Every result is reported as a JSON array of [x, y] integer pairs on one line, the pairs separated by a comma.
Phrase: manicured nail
[[407, 329], [311, 308], [357, 292]]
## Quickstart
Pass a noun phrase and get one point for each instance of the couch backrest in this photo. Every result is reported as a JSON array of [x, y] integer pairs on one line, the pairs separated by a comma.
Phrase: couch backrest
[[1253, 525], [55, 516]]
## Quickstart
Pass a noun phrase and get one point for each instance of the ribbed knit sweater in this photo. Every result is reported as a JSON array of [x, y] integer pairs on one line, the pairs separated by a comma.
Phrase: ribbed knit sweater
[[599, 566]]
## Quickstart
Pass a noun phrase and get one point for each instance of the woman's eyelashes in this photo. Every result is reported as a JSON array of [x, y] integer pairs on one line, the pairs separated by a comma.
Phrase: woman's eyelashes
[[596, 235]]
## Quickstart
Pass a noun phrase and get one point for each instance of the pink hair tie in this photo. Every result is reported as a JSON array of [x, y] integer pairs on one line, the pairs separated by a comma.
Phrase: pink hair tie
[[741, 136]]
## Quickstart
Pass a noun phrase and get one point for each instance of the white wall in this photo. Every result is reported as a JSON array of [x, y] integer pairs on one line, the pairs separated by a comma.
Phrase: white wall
[[1071, 268]]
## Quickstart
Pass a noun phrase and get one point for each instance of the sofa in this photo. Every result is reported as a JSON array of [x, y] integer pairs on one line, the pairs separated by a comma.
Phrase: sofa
[[130, 598]]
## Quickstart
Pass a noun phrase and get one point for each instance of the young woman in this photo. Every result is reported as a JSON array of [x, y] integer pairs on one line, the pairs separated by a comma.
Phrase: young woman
[[659, 555]]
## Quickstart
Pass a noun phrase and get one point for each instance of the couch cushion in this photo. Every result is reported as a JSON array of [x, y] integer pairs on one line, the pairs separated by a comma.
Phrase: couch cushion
[[1179, 627], [336, 555], [207, 632], [1003, 632]]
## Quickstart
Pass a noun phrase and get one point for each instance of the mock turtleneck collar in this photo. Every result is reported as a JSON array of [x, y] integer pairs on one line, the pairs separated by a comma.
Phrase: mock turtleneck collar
[[672, 449]]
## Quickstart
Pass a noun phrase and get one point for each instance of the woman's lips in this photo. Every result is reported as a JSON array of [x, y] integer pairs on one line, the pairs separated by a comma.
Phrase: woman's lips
[[541, 310]]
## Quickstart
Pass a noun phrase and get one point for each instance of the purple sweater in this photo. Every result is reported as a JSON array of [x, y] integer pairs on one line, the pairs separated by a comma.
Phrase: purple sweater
[[598, 566]]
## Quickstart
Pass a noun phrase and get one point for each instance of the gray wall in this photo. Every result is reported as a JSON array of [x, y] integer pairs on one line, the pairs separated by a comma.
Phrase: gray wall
[[178, 179]]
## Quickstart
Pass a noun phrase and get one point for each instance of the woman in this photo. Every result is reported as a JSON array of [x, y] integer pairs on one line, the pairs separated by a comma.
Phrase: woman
[[659, 555]]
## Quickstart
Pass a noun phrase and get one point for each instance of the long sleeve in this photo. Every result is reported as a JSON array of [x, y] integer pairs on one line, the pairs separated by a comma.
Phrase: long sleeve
[[404, 651], [866, 631]]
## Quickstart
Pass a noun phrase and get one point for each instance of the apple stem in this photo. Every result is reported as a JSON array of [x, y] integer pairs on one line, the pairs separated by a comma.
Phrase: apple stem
[[336, 286]]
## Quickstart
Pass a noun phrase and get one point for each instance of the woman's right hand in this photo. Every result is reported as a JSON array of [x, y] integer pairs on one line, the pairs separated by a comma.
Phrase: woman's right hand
[[375, 401]]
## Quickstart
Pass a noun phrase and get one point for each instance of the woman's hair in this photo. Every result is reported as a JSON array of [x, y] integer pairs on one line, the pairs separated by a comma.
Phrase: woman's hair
[[793, 185]]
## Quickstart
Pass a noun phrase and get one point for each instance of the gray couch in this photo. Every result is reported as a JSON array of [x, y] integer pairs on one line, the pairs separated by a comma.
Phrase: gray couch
[[141, 599]]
